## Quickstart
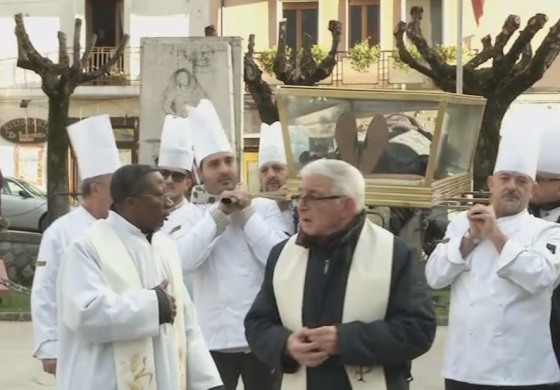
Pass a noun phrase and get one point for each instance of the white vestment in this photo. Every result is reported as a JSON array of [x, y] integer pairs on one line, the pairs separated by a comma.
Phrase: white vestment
[[370, 276], [499, 332], [174, 227], [227, 266], [54, 244], [93, 318]]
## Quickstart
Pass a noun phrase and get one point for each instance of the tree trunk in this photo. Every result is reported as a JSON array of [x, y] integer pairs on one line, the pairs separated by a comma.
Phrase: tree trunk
[[57, 157], [488, 141]]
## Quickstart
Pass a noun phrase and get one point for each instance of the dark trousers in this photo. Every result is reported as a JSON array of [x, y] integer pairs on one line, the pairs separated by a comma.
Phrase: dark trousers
[[255, 374], [454, 385]]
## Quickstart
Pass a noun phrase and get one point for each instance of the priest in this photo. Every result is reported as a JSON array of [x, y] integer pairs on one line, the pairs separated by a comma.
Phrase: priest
[[175, 162], [224, 244], [273, 169], [96, 152], [341, 306], [502, 265], [126, 320]]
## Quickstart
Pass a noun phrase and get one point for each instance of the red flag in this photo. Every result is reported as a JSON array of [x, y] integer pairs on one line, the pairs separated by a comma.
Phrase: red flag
[[478, 9]]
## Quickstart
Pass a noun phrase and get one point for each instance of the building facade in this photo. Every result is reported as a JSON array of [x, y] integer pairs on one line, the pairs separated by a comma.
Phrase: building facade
[[24, 107]]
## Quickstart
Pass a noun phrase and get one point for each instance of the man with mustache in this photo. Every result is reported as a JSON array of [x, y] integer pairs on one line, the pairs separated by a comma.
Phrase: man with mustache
[[545, 203], [175, 162], [97, 158], [502, 265], [224, 243], [273, 169], [126, 319]]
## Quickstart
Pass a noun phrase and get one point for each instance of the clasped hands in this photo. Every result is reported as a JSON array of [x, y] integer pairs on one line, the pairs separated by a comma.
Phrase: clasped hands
[[482, 221], [312, 347], [239, 200]]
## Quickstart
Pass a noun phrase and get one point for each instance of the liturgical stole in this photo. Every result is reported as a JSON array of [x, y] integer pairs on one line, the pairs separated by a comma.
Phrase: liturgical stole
[[366, 299], [134, 359]]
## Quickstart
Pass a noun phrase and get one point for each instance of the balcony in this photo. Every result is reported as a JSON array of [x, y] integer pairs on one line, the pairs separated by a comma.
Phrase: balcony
[[122, 80]]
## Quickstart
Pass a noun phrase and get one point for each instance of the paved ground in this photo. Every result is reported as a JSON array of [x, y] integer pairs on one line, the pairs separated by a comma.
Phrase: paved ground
[[19, 371]]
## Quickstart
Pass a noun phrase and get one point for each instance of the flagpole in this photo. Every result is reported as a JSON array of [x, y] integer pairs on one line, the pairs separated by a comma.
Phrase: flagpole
[[404, 19], [459, 76]]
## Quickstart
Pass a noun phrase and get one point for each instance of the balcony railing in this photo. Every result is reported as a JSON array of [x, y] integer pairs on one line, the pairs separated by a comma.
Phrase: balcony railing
[[125, 72]]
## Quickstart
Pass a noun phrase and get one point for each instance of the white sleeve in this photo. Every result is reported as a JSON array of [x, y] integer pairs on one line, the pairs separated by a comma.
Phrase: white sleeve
[[446, 262], [535, 268], [93, 310], [43, 295]]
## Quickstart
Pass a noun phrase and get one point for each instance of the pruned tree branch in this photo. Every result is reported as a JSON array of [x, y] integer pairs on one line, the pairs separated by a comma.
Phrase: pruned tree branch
[[534, 25], [88, 50], [430, 55], [484, 55], [210, 31], [326, 67], [106, 67], [258, 88], [283, 69], [510, 26], [30, 57]]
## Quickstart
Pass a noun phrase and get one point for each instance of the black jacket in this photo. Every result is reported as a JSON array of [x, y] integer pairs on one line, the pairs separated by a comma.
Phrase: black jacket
[[407, 332]]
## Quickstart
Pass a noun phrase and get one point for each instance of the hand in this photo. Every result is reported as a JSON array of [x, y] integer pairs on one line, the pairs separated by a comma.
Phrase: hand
[[303, 351], [228, 208], [326, 337], [243, 199], [474, 224], [49, 366], [483, 218], [172, 304]]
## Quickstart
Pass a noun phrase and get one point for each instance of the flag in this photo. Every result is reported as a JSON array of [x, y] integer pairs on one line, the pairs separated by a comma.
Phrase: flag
[[478, 9]]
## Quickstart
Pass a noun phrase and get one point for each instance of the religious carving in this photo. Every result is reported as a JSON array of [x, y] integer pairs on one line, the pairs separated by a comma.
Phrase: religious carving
[[25, 131]]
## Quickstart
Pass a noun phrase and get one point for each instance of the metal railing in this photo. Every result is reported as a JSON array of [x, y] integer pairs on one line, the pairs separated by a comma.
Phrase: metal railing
[[125, 72], [381, 74]]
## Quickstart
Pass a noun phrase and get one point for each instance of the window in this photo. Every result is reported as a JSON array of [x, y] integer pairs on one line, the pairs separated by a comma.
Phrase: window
[[301, 18], [105, 19], [364, 20], [12, 188]]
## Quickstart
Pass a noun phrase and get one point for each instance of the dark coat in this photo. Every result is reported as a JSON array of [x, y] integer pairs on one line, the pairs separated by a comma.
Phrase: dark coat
[[406, 333]]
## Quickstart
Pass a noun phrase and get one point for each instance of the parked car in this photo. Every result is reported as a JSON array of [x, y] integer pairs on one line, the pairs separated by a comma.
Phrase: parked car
[[24, 205]]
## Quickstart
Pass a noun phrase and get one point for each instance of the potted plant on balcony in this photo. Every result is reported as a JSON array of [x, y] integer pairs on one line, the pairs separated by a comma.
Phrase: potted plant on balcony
[[361, 65], [267, 57], [401, 73]]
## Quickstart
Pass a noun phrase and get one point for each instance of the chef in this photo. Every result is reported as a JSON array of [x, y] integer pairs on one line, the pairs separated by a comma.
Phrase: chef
[[94, 145], [546, 204], [273, 169], [175, 162], [502, 265], [224, 243]]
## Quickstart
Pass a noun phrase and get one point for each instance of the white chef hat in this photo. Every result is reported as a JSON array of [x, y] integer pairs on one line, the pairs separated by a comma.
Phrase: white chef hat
[[210, 136], [271, 144], [94, 144], [519, 148], [176, 147], [549, 156]]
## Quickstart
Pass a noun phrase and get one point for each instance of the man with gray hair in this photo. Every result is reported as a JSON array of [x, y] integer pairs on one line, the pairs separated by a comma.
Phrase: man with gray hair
[[340, 305], [98, 158]]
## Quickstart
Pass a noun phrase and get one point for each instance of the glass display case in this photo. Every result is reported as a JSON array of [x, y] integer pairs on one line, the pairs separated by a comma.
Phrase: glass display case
[[415, 149]]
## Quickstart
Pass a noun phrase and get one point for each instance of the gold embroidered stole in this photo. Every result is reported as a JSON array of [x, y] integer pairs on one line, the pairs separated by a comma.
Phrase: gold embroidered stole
[[366, 299], [134, 359]]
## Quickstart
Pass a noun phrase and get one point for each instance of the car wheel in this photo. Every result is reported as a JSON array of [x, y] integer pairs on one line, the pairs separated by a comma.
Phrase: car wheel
[[43, 223]]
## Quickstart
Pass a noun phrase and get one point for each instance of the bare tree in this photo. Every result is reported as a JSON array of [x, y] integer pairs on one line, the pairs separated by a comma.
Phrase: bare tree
[[285, 69], [510, 75], [59, 80]]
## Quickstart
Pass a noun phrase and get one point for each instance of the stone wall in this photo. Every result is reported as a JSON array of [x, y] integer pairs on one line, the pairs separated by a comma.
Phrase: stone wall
[[19, 252]]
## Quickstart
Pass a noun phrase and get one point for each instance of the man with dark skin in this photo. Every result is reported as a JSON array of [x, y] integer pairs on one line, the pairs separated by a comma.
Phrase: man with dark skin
[[125, 276]]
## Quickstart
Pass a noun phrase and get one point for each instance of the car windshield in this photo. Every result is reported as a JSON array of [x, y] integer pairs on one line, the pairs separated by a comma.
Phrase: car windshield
[[31, 188]]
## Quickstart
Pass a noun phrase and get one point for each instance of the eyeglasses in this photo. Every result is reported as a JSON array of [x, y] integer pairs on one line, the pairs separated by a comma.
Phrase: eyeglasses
[[177, 177], [312, 199]]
